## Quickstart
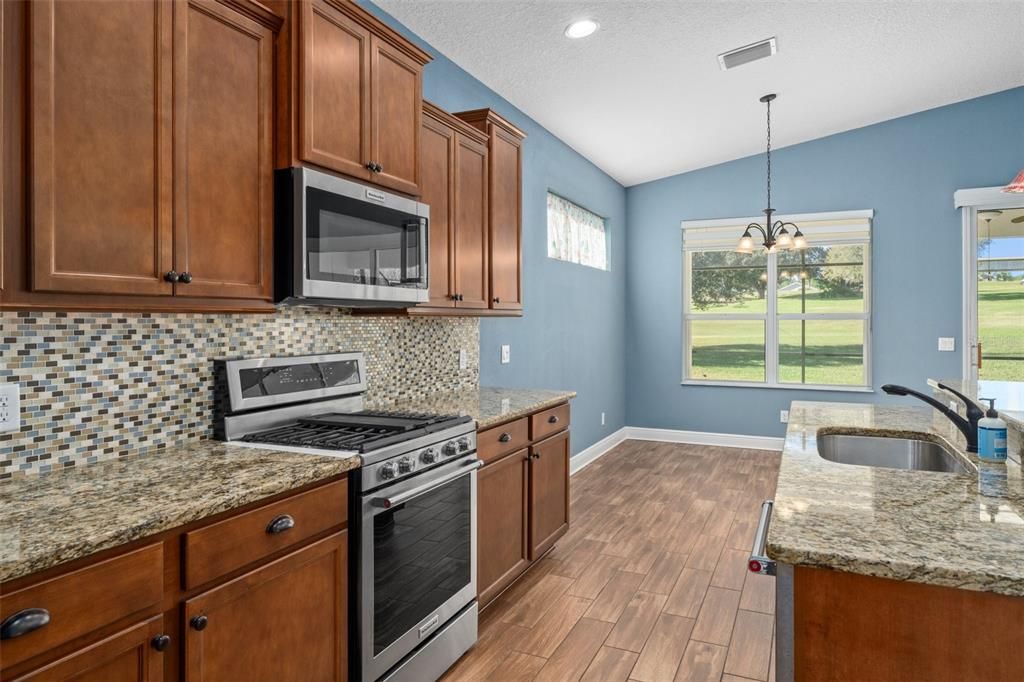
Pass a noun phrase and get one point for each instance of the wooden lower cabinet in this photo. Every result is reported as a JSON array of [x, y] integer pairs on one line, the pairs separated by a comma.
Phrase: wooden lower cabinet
[[286, 620], [130, 655], [502, 523], [522, 498], [549, 493], [279, 612]]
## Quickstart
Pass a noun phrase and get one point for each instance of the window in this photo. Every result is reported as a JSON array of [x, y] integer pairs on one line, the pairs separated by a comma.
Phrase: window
[[575, 234], [789, 319]]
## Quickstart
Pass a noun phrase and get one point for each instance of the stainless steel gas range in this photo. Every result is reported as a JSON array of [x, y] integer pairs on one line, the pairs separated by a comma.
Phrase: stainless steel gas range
[[413, 504]]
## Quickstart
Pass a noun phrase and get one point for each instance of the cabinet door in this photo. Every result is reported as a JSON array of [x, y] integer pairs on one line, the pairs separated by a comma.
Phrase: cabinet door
[[549, 493], [101, 146], [470, 223], [223, 90], [505, 221], [396, 103], [334, 100], [127, 656], [437, 154], [286, 620], [502, 530]]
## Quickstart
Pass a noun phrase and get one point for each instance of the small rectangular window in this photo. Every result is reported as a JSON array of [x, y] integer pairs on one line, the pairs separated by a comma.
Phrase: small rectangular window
[[575, 234]]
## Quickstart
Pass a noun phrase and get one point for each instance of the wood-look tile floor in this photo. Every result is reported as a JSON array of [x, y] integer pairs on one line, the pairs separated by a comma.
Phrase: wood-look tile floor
[[650, 582]]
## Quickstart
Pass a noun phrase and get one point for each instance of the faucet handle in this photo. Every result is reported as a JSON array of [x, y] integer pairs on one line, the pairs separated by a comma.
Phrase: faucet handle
[[974, 411]]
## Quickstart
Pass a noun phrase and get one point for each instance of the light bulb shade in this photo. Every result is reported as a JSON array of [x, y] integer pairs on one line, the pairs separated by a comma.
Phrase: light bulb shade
[[746, 244], [784, 240], [1016, 185], [799, 240]]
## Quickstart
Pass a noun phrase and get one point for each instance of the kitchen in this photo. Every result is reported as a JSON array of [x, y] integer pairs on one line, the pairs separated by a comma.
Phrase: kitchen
[[335, 364]]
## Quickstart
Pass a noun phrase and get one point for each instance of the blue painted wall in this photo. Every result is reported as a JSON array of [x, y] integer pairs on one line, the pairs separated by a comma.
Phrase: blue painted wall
[[572, 333], [905, 169]]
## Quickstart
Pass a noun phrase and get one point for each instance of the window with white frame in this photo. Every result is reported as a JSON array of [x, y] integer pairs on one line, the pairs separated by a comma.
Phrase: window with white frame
[[575, 234], [793, 319]]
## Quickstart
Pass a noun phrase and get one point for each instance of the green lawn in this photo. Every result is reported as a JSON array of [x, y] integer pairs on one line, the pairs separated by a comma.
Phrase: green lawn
[[1001, 328], [734, 349]]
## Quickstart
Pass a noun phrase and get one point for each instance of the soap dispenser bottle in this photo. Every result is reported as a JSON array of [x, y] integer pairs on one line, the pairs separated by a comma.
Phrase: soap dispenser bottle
[[991, 434]]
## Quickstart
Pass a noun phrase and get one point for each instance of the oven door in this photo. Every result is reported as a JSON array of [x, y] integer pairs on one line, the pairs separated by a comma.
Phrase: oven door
[[417, 565], [360, 243]]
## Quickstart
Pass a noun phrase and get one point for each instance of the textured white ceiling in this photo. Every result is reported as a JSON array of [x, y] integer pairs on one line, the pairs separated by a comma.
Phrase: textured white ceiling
[[644, 97]]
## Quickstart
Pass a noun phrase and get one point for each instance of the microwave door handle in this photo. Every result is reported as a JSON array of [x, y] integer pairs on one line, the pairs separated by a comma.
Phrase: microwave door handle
[[421, 237], [395, 500]]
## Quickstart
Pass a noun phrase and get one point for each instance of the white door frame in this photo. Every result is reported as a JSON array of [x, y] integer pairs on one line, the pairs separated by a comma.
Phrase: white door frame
[[970, 201]]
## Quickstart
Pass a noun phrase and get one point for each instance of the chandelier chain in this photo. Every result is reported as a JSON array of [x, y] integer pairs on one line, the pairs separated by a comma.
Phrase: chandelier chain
[[769, 154]]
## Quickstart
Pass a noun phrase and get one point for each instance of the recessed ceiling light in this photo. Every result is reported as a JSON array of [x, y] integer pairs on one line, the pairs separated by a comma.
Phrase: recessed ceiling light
[[581, 28]]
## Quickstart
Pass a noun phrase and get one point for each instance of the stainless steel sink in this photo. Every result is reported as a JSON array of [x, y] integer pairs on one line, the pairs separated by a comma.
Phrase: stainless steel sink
[[893, 453]]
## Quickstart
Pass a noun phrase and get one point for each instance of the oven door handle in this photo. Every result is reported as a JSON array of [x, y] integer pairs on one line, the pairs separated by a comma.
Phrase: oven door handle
[[395, 500]]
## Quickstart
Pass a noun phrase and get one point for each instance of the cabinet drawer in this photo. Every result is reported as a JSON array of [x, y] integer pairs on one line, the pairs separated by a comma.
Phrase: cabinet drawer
[[82, 601], [545, 423], [501, 440], [218, 549]]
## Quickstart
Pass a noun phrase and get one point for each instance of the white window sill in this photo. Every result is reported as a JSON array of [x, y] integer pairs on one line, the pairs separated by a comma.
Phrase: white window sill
[[796, 387]]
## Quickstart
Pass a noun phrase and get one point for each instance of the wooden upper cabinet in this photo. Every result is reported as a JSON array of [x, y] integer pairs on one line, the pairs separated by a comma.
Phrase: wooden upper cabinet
[[359, 91], [287, 620], [223, 217], [437, 155], [504, 234], [471, 277], [334, 80], [396, 101], [549, 492], [100, 138]]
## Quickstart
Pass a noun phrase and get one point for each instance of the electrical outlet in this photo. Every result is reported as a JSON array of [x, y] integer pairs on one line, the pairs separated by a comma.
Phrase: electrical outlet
[[463, 359], [784, 416], [947, 343], [602, 419], [10, 407], [506, 354]]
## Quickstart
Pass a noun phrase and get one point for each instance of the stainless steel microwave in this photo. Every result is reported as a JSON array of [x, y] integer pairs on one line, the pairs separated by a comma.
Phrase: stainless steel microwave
[[342, 243]]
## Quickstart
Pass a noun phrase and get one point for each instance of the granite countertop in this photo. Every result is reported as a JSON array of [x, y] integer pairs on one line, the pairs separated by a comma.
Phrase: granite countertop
[[962, 531], [51, 519], [1009, 396], [488, 406]]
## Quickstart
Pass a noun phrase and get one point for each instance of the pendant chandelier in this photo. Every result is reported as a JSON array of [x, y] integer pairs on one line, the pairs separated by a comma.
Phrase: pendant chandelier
[[775, 235]]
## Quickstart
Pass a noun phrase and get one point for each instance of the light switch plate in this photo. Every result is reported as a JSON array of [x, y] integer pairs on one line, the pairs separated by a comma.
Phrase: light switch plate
[[784, 416], [947, 343], [506, 354], [10, 407]]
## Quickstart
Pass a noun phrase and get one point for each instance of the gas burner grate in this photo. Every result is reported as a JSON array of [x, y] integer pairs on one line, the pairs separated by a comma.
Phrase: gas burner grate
[[357, 431]]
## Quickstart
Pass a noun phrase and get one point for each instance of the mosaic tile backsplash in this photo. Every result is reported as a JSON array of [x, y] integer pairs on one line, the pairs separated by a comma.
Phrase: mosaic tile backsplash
[[97, 386]]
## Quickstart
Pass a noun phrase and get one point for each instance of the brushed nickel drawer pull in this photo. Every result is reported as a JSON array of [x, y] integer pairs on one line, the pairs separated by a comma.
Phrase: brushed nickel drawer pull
[[553, 419], [504, 438]]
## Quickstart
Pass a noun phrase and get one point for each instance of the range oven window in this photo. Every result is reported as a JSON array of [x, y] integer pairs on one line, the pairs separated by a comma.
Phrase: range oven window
[[421, 555], [356, 242]]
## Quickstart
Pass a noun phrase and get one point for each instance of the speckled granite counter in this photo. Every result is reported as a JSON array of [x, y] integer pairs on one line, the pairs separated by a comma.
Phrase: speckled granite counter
[[488, 406], [961, 531], [48, 520]]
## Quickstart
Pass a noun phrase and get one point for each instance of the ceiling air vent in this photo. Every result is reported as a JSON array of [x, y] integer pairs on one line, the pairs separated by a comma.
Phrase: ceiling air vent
[[746, 54]]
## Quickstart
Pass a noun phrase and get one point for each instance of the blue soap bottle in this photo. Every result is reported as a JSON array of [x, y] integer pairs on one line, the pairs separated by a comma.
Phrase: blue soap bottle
[[991, 435]]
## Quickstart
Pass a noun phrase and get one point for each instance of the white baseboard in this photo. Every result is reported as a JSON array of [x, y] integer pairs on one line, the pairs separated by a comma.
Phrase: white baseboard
[[728, 440], [585, 457]]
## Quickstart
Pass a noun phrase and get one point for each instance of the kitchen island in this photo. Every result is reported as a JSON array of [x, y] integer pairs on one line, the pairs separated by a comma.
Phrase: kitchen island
[[895, 574]]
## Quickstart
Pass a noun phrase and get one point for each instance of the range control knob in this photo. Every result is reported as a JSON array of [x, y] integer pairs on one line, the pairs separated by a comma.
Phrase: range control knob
[[463, 444], [387, 471], [449, 448], [405, 465], [429, 456]]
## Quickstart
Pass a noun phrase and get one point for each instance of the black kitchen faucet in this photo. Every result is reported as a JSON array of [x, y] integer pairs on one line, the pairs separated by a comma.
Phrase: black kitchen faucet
[[968, 426]]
